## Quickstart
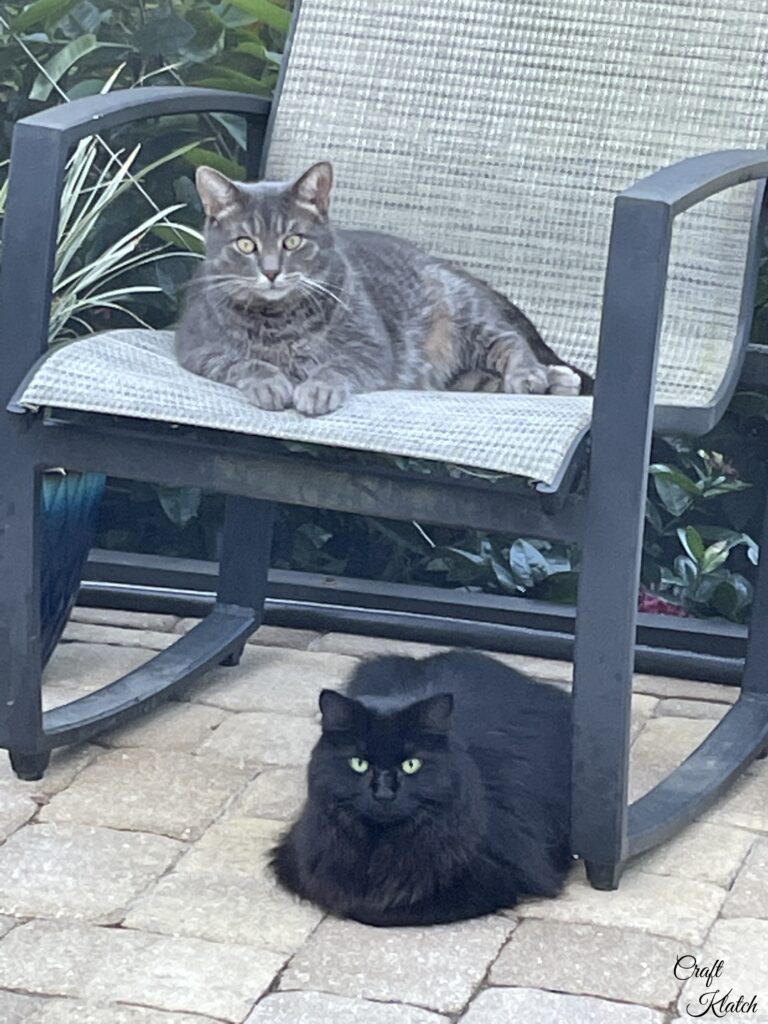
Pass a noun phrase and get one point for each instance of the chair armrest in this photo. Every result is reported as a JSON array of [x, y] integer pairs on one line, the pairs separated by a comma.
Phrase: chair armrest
[[690, 181], [636, 275], [93, 114], [41, 145]]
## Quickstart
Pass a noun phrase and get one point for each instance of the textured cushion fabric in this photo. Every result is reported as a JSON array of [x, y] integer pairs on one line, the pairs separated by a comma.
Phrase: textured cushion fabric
[[497, 133], [134, 373]]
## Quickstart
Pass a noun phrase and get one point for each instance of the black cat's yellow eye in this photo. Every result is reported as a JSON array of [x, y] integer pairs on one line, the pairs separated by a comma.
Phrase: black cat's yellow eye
[[291, 242], [357, 764], [246, 246], [411, 765]]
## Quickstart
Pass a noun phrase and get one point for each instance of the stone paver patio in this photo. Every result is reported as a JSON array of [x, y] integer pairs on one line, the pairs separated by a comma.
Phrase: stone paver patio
[[134, 890]]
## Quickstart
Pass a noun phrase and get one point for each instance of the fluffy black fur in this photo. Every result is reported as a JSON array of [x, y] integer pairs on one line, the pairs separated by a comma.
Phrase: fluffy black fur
[[483, 822]]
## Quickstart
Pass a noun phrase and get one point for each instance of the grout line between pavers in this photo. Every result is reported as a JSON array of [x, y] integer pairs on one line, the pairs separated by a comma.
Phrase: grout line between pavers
[[274, 985]]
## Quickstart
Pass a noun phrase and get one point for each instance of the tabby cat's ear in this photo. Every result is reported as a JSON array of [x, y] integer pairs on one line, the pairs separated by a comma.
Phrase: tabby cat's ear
[[435, 713], [313, 188], [338, 711], [216, 192]]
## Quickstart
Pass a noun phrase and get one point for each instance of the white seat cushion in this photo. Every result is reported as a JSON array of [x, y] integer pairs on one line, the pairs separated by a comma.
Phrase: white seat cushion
[[134, 373]]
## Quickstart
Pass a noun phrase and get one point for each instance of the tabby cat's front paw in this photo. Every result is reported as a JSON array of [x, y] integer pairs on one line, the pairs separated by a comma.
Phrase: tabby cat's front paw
[[273, 393], [318, 397], [562, 380], [529, 381]]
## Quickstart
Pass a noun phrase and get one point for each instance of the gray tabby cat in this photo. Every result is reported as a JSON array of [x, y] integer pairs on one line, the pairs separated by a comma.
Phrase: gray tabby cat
[[293, 312]]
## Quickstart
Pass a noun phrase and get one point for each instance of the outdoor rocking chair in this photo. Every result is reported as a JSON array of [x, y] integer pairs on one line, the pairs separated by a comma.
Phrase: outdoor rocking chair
[[508, 136]]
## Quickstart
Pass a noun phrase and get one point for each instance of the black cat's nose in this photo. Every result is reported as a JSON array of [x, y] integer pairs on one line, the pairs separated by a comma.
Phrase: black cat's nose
[[383, 795], [271, 274], [383, 789]]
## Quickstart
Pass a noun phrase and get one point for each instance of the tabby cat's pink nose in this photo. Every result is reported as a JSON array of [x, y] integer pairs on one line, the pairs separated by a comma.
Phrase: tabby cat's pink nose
[[271, 274]]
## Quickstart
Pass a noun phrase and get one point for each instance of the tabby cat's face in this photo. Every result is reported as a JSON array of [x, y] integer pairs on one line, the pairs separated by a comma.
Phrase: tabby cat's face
[[266, 241], [383, 761]]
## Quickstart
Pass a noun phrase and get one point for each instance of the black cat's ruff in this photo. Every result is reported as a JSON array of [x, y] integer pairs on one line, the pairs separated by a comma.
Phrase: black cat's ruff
[[438, 791]]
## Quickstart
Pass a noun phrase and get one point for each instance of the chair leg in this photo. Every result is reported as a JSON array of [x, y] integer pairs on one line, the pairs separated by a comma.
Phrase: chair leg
[[245, 554], [603, 666], [20, 653]]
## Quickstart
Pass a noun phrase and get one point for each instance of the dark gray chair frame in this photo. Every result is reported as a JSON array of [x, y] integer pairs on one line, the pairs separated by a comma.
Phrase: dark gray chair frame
[[255, 473]]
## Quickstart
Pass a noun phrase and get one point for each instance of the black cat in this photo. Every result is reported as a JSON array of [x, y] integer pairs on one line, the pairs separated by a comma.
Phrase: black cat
[[438, 791]]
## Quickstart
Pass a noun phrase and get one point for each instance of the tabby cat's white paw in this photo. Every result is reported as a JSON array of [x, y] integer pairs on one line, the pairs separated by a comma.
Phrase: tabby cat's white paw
[[318, 398], [562, 380], [273, 393]]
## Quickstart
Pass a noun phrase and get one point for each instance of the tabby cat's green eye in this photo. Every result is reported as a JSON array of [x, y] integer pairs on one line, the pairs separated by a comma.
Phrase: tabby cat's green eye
[[411, 765], [291, 242], [246, 246], [357, 764]]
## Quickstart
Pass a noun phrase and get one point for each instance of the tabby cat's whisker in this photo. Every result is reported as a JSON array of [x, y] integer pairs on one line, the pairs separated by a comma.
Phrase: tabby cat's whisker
[[316, 286]]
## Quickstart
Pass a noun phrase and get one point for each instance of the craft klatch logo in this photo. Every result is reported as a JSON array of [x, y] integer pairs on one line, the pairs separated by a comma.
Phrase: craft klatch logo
[[717, 999]]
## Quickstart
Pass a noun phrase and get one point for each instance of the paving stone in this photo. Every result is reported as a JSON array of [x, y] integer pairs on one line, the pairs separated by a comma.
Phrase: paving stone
[[320, 1008], [745, 803], [226, 908], [676, 707], [586, 959], [680, 908], [436, 967], [6, 923], [749, 895], [274, 793], [235, 846], [740, 943], [709, 853], [274, 679], [662, 745], [260, 738], [144, 790], [686, 689], [220, 980], [368, 646], [643, 706], [79, 872], [79, 668], [127, 619], [531, 1006], [171, 727], [184, 625], [15, 1009], [282, 636], [15, 811], [119, 636], [222, 890], [268, 636], [66, 763]]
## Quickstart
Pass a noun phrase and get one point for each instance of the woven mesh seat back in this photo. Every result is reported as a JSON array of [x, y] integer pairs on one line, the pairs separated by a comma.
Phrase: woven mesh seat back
[[497, 133]]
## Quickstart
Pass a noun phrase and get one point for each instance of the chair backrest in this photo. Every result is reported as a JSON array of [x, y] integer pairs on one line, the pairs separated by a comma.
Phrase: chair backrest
[[498, 132]]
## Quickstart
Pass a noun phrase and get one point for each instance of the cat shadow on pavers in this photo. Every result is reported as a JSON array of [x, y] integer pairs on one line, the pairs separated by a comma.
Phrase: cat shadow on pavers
[[438, 791]]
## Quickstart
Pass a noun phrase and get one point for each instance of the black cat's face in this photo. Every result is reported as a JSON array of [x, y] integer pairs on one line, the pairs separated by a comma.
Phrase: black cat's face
[[383, 761], [268, 240]]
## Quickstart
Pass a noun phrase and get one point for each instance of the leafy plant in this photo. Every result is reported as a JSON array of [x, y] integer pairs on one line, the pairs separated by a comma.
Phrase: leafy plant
[[89, 279]]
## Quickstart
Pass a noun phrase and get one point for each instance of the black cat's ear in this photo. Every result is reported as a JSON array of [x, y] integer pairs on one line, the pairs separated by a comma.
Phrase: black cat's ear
[[338, 711], [435, 713], [313, 188], [216, 192]]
